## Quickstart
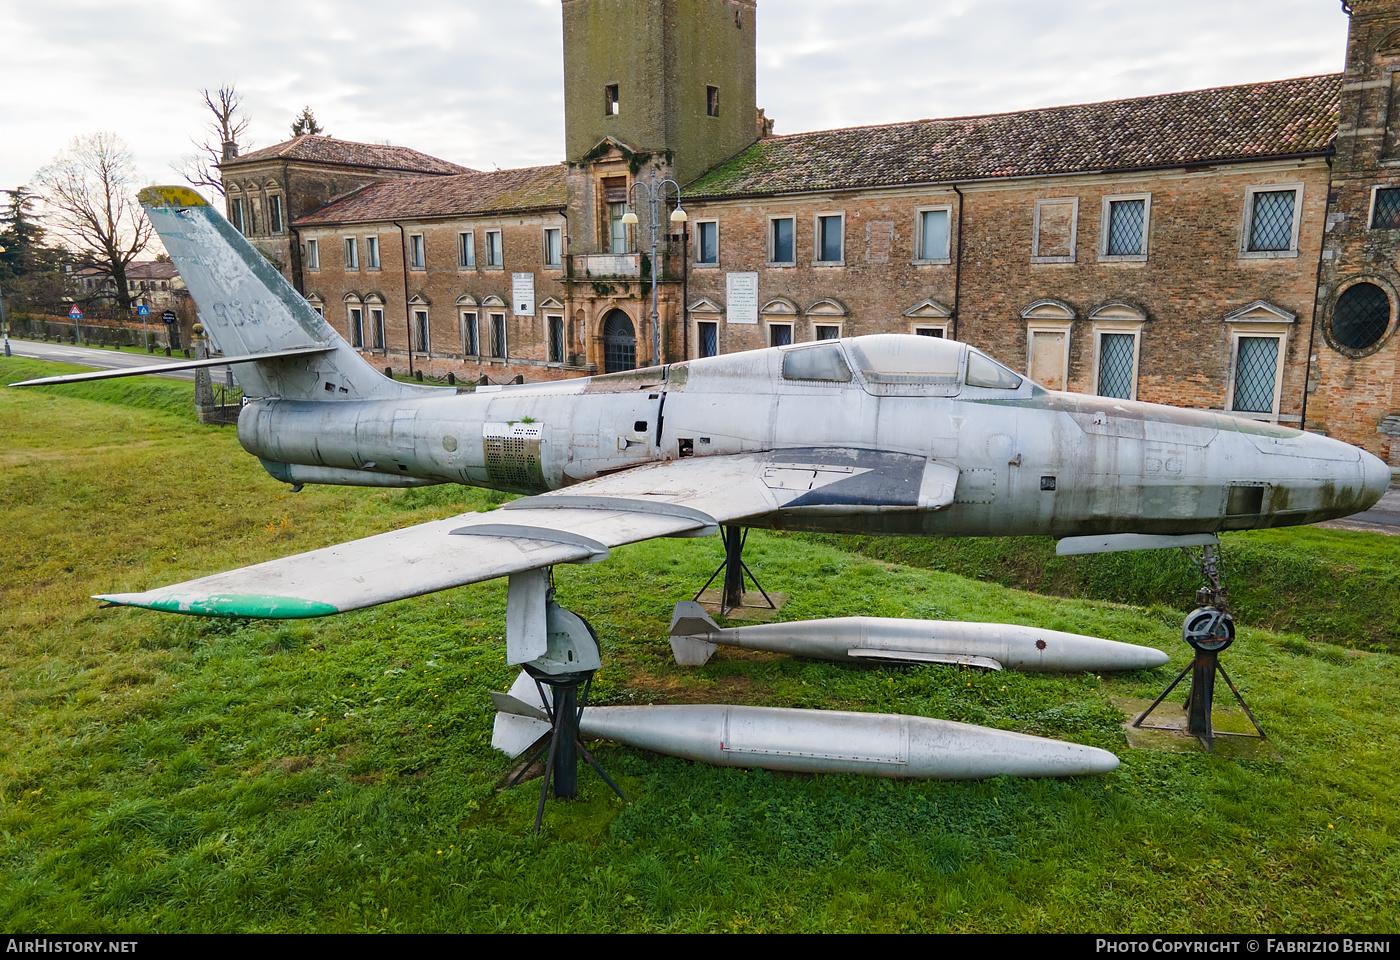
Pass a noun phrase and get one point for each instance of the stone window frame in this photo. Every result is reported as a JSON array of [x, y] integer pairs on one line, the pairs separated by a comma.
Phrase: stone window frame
[[495, 307], [827, 312], [1330, 310], [696, 262], [929, 314], [1247, 221], [1105, 222], [466, 250], [919, 258], [1073, 230], [371, 257], [545, 230], [552, 315], [768, 240], [817, 238], [705, 310], [500, 249], [417, 253], [354, 305], [422, 330], [768, 325], [1371, 208], [468, 307], [378, 329], [276, 225], [1048, 316], [313, 254], [237, 216], [1103, 321], [1278, 332], [350, 250]]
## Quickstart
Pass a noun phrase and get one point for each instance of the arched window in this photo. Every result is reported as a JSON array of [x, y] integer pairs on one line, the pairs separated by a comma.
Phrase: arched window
[[619, 343]]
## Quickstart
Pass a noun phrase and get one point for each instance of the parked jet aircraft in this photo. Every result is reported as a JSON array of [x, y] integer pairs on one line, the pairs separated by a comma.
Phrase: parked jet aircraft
[[881, 434]]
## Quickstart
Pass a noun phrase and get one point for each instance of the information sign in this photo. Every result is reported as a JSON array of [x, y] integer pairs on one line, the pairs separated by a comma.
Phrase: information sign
[[741, 297], [522, 293]]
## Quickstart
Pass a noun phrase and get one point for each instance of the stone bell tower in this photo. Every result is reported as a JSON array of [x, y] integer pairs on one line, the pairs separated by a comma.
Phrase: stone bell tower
[[1357, 365], [653, 90]]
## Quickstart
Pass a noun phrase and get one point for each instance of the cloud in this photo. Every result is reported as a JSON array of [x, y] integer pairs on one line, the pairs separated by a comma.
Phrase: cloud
[[480, 83]]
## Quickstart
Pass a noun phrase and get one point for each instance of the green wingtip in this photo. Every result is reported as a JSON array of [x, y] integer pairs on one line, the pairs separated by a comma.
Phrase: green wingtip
[[254, 605]]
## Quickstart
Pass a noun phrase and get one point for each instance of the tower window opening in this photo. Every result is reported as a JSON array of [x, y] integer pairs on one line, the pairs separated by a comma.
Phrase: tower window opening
[[712, 101], [610, 104]]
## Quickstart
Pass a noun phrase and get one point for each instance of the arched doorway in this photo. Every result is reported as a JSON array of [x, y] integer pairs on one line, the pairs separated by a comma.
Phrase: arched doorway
[[619, 343]]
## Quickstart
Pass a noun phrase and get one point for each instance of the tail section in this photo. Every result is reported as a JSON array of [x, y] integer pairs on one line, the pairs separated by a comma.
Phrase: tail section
[[690, 628], [248, 308]]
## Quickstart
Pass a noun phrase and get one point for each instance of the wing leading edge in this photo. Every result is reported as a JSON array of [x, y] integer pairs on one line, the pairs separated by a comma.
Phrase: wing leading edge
[[580, 524]]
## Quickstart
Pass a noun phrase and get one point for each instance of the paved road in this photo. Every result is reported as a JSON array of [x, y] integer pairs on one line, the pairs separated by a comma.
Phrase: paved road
[[103, 359]]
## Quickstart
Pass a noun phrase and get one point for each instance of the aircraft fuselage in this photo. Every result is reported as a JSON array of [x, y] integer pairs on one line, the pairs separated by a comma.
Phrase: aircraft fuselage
[[1027, 460]]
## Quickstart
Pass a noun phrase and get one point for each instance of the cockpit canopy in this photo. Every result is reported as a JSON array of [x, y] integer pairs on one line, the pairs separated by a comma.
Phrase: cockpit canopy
[[900, 365]]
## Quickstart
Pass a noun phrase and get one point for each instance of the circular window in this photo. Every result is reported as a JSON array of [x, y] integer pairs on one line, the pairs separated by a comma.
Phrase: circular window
[[1361, 316]]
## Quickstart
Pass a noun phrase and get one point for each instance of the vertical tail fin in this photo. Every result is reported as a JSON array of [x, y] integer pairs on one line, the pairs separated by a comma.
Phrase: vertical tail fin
[[247, 307]]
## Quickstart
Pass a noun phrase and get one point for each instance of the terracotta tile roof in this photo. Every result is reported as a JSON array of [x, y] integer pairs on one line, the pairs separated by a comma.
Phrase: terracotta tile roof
[[497, 191], [1257, 120], [349, 153]]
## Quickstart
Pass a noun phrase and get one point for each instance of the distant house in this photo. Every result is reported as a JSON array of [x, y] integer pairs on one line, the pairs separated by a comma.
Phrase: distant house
[[154, 283]]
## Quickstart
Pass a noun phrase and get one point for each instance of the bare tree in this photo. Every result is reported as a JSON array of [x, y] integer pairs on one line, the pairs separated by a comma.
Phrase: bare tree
[[90, 190], [221, 140]]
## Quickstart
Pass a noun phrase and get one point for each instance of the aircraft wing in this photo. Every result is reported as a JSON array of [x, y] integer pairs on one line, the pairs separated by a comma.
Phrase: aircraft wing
[[579, 524]]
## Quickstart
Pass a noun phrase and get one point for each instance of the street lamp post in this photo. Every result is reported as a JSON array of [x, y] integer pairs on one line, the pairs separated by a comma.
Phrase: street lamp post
[[655, 195]]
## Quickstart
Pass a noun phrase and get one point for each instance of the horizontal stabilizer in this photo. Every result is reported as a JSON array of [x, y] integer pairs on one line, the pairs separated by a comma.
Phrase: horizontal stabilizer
[[154, 368], [1117, 542]]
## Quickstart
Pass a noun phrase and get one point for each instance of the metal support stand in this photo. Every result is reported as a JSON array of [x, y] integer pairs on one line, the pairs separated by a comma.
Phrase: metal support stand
[[564, 707], [734, 569], [1208, 629]]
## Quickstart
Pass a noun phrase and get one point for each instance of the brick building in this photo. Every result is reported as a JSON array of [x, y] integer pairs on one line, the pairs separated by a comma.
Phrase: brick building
[[1233, 248]]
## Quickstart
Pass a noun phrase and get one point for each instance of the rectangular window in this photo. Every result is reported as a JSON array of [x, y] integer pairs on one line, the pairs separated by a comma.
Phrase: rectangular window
[[417, 255], [498, 335], [708, 335], [1125, 222], [352, 254], [469, 342], [372, 253], [1271, 220], [1385, 207], [313, 255], [357, 327], [494, 257], [556, 339], [1117, 365], [274, 213], [828, 332], [617, 230], [779, 334], [933, 235], [420, 330], [707, 241], [376, 325], [1055, 230], [781, 248], [712, 101], [235, 209], [611, 107], [1256, 375], [829, 238], [553, 246], [466, 249], [931, 331]]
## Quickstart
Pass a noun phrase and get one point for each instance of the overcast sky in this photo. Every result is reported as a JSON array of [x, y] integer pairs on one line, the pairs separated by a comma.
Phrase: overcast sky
[[479, 81]]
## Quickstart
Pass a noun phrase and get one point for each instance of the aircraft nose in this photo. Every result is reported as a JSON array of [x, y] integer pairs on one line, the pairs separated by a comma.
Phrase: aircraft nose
[[1377, 478]]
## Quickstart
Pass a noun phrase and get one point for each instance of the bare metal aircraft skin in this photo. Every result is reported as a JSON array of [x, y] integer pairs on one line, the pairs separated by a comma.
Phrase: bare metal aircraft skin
[[882, 434]]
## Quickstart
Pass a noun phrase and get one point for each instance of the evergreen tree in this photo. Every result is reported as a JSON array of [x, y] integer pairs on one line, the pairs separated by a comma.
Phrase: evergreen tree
[[306, 124]]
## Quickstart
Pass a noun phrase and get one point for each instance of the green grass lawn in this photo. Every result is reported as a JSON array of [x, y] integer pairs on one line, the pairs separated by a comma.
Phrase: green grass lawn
[[165, 773]]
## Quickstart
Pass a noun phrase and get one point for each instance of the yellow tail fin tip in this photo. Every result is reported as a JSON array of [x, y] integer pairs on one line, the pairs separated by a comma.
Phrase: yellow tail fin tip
[[171, 197]]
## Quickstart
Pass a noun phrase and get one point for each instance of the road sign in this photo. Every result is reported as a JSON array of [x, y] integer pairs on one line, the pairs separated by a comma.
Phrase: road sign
[[142, 310], [168, 316], [75, 313]]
